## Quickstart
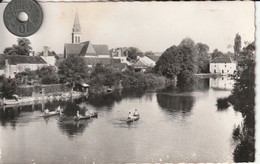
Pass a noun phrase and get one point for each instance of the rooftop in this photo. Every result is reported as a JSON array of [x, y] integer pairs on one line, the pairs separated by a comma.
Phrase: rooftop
[[222, 60]]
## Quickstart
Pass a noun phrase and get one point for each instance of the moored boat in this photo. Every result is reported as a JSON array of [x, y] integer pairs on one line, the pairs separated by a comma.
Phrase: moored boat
[[11, 102]]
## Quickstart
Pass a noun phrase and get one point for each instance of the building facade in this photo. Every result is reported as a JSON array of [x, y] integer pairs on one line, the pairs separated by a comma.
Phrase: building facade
[[14, 64], [223, 65]]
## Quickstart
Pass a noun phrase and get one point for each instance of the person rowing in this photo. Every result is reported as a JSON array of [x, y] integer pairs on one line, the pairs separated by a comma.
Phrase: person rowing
[[58, 109], [136, 114], [129, 116], [46, 111], [78, 115]]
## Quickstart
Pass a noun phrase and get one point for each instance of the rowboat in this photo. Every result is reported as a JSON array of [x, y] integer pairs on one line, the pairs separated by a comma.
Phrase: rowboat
[[11, 102], [85, 117], [134, 118], [53, 113]]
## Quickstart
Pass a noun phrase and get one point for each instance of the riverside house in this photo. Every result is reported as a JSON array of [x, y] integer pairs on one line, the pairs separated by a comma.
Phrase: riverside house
[[13, 64], [142, 63], [222, 65]]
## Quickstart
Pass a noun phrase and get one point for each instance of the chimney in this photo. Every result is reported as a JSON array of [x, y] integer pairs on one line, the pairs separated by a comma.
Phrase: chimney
[[45, 50]]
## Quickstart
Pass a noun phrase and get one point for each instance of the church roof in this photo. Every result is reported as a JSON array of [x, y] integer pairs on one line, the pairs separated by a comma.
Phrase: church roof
[[222, 60], [88, 49], [85, 49], [101, 49], [72, 49]]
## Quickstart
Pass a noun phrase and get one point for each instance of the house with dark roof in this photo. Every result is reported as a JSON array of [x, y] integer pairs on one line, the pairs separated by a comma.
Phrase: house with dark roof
[[13, 64], [223, 65]]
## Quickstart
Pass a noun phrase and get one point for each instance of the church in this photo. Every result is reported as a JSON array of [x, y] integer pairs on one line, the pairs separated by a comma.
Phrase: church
[[92, 53]]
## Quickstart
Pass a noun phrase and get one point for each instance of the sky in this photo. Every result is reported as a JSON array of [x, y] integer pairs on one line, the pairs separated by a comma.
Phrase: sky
[[149, 26]]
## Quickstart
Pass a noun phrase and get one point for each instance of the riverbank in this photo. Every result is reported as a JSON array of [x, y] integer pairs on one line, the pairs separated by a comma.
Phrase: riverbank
[[47, 97], [208, 75]]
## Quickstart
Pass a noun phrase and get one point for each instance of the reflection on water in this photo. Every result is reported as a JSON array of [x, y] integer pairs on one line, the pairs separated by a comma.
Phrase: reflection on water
[[223, 82], [176, 104], [173, 127]]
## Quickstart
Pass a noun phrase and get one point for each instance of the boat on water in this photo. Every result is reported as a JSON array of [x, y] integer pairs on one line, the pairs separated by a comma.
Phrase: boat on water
[[53, 113], [134, 118], [86, 117], [11, 102]]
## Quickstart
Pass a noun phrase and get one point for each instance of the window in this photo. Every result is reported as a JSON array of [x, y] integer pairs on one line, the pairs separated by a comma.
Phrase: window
[[78, 39], [222, 71], [225, 65], [214, 71], [227, 70], [215, 65]]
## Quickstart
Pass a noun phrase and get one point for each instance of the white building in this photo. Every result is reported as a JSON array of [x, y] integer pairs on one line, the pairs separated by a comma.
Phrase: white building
[[48, 56], [13, 64], [222, 65]]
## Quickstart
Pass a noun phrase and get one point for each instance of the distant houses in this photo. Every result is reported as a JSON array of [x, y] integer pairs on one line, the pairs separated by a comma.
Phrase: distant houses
[[145, 62], [10, 65], [223, 65], [48, 56]]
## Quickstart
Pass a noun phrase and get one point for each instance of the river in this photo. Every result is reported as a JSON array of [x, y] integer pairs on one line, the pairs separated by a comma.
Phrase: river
[[173, 127]]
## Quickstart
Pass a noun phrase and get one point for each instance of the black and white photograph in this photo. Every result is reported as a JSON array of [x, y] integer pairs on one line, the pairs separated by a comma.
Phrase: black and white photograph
[[127, 82]]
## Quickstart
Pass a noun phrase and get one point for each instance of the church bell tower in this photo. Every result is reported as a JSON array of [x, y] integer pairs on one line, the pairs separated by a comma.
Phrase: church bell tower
[[76, 30]]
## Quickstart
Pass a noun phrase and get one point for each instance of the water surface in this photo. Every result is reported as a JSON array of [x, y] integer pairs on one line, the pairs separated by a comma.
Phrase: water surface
[[183, 127]]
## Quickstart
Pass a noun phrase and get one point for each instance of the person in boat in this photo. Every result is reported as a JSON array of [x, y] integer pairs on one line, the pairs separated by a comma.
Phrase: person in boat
[[136, 114], [46, 111], [58, 109], [91, 113], [129, 116], [78, 115]]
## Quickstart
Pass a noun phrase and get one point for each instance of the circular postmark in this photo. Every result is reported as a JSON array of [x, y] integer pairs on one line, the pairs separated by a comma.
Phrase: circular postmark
[[23, 17]]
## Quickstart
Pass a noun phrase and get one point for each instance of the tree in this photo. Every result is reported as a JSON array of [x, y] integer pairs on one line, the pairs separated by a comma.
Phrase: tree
[[237, 45], [186, 78], [23, 48], [180, 62], [243, 100], [148, 53], [133, 52], [26, 77], [216, 53], [9, 88], [230, 54], [73, 70], [169, 63], [56, 56], [203, 57], [48, 75]]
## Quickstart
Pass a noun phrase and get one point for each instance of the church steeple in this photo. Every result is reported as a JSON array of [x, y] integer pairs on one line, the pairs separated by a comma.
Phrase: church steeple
[[76, 30]]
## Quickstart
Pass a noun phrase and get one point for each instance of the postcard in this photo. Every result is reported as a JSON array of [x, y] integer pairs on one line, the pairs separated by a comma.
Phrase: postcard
[[127, 82]]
